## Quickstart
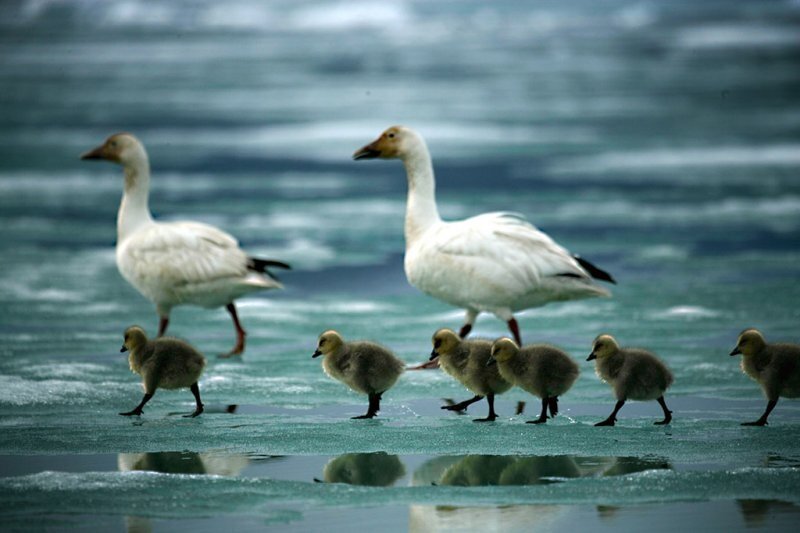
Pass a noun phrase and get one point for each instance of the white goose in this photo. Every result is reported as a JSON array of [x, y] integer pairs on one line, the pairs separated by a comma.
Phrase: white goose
[[177, 263], [496, 262]]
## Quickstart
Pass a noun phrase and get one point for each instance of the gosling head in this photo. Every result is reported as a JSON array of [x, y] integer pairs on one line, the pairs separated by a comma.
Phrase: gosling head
[[444, 341], [503, 350], [603, 346], [328, 343], [134, 337], [750, 342], [121, 148], [394, 143]]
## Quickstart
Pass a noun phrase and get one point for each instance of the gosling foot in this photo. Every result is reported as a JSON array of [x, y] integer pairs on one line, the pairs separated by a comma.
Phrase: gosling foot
[[362, 417], [540, 420], [666, 420], [607, 422], [759, 422], [136, 412], [490, 418]]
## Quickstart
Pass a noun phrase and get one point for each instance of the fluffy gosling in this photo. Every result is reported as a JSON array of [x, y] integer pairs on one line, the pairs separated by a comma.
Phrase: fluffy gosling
[[163, 363], [776, 367], [363, 366], [633, 373], [542, 370], [466, 360]]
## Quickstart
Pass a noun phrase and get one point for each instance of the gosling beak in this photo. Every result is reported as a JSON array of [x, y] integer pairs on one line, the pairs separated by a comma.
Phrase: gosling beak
[[735, 351], [96, 153], [591, 356], [434, 355], [123, 349], [491, 361], [370, 151], [316, 353]]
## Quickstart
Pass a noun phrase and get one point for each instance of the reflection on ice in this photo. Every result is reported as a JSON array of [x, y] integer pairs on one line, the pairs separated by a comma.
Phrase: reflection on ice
[[183, 463], [377, 469], [755, 512]]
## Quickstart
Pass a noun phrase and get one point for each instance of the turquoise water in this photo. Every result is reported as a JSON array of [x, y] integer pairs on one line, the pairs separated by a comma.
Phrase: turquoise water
[[659, 140]]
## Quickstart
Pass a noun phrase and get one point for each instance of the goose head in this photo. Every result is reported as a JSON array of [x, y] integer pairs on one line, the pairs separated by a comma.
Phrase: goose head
[[329, 342], [750, 342], [444, 341], [397, 142], [603, 346], [121, 148], [134, 337], [503, 349]]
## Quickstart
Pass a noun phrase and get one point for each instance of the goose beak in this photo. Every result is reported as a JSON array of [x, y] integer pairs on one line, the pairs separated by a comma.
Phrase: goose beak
[[370, 151], [123, 349], [96, 153], [591, 356], [735, 351], [316, 353], [491, 361]]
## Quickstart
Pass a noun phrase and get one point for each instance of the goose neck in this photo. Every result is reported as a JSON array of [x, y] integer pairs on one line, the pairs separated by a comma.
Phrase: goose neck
[[134, 210], [421, 209]]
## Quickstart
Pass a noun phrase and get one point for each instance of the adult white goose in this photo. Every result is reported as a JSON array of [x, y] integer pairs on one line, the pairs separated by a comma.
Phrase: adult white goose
[[177, 263], [496, 262]]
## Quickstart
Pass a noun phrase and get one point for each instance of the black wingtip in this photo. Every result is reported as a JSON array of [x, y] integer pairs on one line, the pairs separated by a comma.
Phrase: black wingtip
[[596, 273], [261, 265]]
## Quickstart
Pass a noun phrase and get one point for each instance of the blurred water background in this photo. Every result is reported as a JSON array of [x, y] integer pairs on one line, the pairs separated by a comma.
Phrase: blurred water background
[[659, 139]]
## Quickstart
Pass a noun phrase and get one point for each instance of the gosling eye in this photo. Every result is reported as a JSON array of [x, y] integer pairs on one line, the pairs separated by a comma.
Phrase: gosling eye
[[391, 135], [322, 342], [437, 344]]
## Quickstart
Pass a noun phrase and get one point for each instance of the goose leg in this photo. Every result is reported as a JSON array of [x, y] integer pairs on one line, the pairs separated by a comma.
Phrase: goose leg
[[163, 322], [667, 412], [462, 405], [374, 406], [238, 348], [138, 409], [542, 417], [492, 415], [199, 408], [613, 416], [763, 420], [468, 321], [514, 328]]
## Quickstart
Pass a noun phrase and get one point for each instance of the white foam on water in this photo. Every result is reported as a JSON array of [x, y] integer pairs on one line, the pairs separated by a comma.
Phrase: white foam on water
[[747, 36], [684, 312]]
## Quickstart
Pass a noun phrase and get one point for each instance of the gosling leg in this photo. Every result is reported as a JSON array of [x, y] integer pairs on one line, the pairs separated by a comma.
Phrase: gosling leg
[[514, 328], [552, 402], [492, 415], [238, 348], [462, 405], [667, 413], [613, 416], [763, 420], [199, 409], [138, 410], [542, 417], [374, 406]]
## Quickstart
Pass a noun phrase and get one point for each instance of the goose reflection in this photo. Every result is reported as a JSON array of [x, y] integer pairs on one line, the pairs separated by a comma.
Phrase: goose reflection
[[377, 469], [756, 512]]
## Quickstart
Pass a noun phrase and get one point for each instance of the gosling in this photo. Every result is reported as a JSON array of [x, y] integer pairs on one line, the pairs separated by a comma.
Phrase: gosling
[[466, 360], [776, 367], [163, 363], [363, 366], [542, 370], [633, 373]]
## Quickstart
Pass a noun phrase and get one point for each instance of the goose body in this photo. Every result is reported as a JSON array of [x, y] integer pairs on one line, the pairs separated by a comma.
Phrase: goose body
[[177, 263], [364, 366], [775, 366], [467, 361], [496, 262], [633, 373], [163, 363], [540, 369]]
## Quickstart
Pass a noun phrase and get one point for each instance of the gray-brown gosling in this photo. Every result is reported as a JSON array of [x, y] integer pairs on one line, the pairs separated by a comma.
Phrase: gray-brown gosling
[[163, 363], [363, 366], [540, 369], [633, 373], [466, 360], [776, 367]]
